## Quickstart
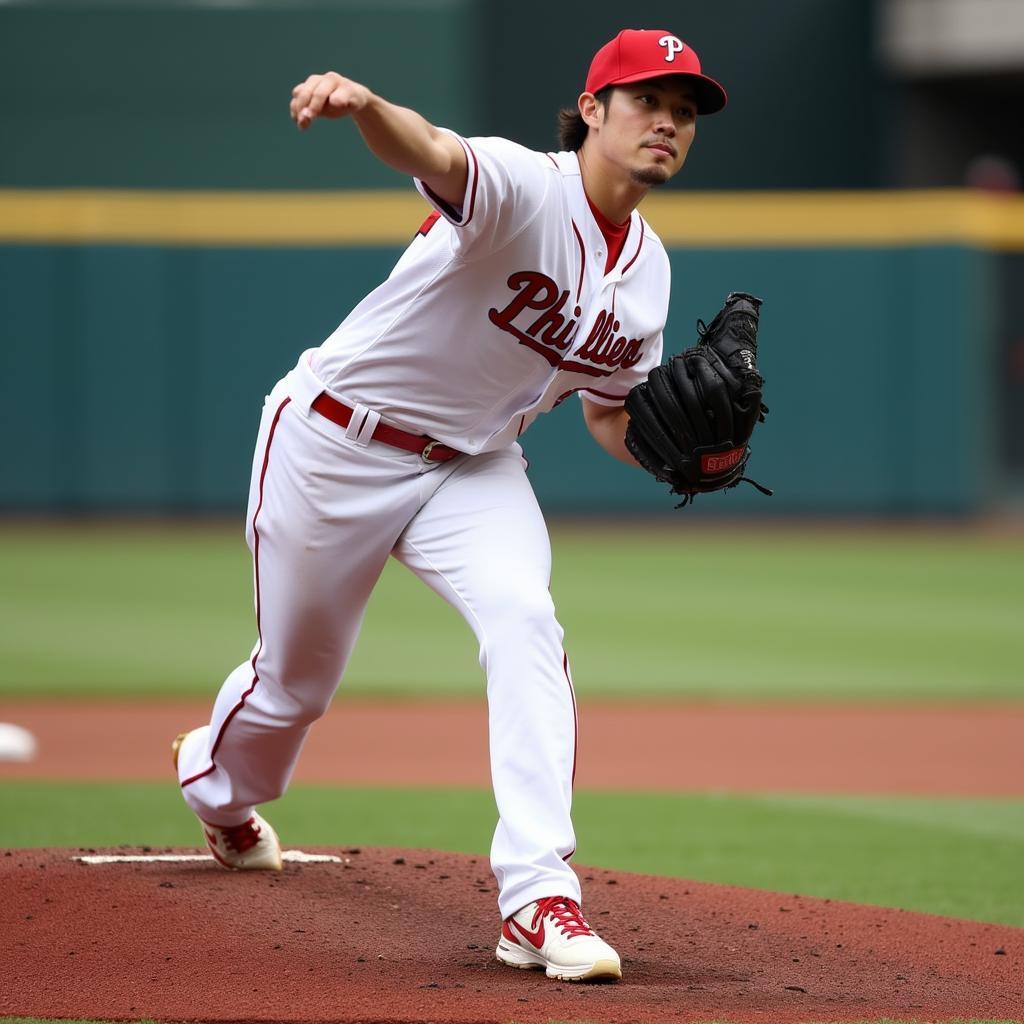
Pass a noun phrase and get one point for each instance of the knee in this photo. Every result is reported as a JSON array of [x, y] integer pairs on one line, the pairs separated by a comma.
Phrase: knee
[[295, 705], [518, 614]]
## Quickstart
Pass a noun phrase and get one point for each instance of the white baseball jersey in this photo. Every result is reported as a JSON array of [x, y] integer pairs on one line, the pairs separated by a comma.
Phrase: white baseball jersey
[[499, 310]]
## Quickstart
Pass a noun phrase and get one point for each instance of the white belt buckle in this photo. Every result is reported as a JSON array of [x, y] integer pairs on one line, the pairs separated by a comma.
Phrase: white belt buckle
[[425, 454]]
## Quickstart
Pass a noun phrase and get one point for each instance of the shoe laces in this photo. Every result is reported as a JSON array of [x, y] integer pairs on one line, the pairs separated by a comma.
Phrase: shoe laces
[[568, 917], [240, 838]]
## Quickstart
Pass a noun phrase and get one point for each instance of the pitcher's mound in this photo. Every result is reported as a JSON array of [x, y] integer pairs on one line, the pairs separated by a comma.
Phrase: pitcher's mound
[[409, 935]]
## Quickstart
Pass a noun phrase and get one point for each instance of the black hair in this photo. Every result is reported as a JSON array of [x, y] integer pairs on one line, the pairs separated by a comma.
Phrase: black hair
[[572, 129]]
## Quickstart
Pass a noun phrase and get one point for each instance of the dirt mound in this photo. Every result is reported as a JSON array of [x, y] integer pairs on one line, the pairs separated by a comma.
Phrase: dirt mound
[[409, 935]]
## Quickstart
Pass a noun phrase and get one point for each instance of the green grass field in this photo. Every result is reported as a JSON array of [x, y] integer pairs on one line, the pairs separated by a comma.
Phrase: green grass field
[[156, 611]]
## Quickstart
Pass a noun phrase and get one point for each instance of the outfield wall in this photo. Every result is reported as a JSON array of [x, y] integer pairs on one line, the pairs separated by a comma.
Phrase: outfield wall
[[141, 331]]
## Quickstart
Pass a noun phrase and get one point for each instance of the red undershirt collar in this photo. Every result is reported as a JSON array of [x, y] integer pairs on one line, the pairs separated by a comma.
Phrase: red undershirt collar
[[614, 234]]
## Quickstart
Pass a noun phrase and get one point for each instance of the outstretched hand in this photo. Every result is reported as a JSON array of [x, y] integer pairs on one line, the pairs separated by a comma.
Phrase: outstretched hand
[[397, 136], [326, 95]]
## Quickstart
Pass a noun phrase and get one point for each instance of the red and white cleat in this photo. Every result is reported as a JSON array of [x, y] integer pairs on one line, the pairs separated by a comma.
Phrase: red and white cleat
[[251, 846], [552, 933]]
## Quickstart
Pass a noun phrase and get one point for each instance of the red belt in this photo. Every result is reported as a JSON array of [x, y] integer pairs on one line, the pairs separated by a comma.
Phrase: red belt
[[428, 451]]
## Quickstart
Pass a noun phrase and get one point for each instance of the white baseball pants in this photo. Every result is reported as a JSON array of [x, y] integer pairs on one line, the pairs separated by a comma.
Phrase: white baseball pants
[[326, 509]]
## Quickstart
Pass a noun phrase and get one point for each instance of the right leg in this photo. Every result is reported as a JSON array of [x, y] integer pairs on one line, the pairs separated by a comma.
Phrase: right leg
[[323, 515], [481, 543]]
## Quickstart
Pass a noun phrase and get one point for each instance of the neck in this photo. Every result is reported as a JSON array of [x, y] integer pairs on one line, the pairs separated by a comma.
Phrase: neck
[[616, 197]]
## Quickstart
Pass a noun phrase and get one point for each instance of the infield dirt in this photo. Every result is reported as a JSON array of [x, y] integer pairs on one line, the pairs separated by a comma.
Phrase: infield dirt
[[408, 935]]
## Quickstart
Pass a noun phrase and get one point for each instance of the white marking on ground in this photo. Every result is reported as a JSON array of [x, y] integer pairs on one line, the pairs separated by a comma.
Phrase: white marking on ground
[[292, 856]]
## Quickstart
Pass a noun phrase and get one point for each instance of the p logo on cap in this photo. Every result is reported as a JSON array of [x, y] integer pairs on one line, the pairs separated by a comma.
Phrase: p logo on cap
[[673, 44], [637, 54]]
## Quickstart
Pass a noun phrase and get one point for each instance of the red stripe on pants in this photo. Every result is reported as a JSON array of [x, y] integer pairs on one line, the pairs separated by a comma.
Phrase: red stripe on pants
[[259, 632]]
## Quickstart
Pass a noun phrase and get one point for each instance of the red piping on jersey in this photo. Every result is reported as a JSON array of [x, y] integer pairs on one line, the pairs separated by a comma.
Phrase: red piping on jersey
[[451, 212], [579, 238], [455, 212], [604, 394], [583, 261], [256, 566], [587, 368], [476, 179], [638, 248]]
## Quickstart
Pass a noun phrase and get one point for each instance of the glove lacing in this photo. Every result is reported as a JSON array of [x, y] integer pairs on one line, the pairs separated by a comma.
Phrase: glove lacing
[[690, 496], [746, 328]]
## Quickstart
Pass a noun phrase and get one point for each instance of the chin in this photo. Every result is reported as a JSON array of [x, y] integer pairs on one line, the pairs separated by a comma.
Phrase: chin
[[651, 176]]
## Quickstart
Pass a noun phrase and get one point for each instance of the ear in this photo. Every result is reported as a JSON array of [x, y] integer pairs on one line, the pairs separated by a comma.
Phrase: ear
[[590, 110]]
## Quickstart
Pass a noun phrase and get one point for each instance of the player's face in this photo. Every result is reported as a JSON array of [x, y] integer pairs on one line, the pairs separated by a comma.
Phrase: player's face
[[648, 128]]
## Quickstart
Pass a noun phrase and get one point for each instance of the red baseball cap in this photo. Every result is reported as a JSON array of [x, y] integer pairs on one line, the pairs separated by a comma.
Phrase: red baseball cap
[[639, 53]]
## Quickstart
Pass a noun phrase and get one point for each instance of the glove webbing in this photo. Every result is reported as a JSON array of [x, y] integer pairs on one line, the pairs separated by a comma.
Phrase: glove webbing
[[689, 498]]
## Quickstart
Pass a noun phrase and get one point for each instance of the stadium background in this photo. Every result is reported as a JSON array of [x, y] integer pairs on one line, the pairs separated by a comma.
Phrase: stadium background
[[169, 243]]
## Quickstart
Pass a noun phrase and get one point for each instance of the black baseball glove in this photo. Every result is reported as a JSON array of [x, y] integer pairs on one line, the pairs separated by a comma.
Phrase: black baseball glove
[[690, 421]]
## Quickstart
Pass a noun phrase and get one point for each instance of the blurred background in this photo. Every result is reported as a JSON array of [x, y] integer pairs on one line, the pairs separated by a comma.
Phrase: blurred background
[[169, 243]]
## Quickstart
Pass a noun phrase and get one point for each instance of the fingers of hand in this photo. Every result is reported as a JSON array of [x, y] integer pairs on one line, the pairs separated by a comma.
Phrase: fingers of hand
[[327, 95], [301, 95]]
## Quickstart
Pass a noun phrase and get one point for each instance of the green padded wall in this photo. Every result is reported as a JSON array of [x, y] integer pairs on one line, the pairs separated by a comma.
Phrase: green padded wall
[[133, 377]]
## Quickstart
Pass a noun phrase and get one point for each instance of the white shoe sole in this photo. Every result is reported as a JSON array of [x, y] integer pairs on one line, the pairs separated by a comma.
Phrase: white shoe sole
[[525, 959]]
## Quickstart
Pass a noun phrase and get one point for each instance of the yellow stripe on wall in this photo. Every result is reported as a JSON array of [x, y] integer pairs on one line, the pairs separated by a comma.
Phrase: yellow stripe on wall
[[697, 219], [810, 219], [210, 218]]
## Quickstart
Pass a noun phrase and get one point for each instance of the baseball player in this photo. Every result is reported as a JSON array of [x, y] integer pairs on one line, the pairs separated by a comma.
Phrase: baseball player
[[533, 279]]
